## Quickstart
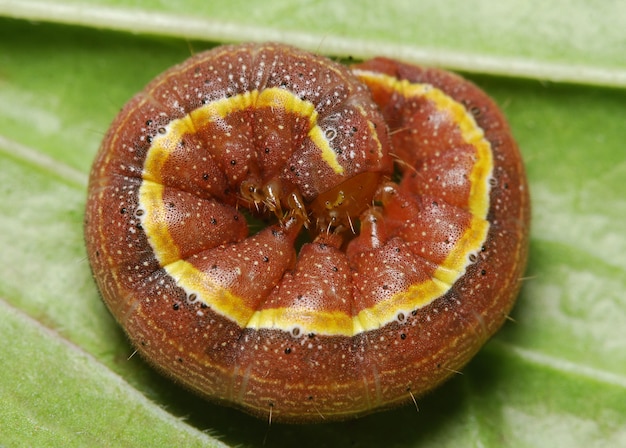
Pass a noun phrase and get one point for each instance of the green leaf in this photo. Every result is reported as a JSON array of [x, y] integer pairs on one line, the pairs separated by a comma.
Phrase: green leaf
[[55, 394], [555, 375], [566, 40]]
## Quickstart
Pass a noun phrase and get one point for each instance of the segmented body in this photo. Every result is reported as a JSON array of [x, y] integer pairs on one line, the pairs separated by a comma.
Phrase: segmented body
[[404, 183]]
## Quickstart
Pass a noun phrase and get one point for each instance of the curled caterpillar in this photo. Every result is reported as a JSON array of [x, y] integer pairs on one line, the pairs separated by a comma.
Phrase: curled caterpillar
[[303, 240]]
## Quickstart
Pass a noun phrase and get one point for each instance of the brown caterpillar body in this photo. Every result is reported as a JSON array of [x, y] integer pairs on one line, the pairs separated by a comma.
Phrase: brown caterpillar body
[[404, 183]]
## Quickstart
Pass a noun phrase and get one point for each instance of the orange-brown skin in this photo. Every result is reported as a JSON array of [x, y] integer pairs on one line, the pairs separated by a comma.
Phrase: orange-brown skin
[[248, 355]]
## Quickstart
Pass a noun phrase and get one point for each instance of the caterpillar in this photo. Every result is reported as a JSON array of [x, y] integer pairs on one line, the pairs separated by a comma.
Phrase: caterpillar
[[303, 240]]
